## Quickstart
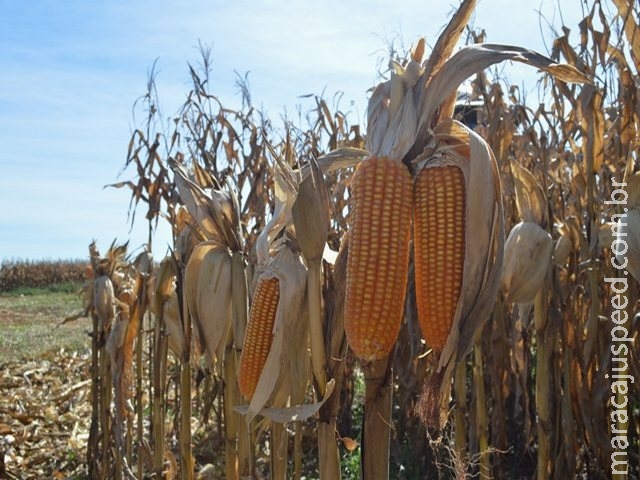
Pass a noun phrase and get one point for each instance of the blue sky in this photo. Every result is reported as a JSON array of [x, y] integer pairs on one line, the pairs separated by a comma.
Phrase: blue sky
[[70, 72]]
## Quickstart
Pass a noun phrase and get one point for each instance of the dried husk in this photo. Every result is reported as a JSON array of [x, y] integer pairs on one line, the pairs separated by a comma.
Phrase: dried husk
[[104, 303], [527, 257], [215, 212], [163, 300], [207, 283], [606, 235], [310, 213], [562, 250], [531, 201], [633, 191], [311, 217]]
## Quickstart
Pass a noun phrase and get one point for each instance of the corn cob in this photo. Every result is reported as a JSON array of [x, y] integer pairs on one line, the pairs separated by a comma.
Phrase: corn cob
[[378, 260], [439, 244], [259, 335]]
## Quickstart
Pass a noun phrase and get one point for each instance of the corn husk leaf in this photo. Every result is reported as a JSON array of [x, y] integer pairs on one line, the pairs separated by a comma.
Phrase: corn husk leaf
[[391, 113], [531, 201], [293, 413], [164, 301], [104, 303], [527, 257], [606, 235], [562, 250], [215, 212], [338, 159], [240, 299], [207, 286], [310, 213]]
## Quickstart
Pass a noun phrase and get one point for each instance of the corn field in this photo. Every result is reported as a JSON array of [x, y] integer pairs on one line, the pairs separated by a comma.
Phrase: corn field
[[443, 292], [15, 274]]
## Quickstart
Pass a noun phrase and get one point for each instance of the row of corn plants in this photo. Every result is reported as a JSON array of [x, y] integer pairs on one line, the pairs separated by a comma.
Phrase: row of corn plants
[[458, 269]]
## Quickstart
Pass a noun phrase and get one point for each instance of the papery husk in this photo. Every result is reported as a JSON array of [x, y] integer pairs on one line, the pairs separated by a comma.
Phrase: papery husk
[[527, 257], [531, 201], [562, 250], [163, 300], [311, 215], [311, 218], [606, 235], [633, 191], [207, 284], [215, 211], [104, 304]]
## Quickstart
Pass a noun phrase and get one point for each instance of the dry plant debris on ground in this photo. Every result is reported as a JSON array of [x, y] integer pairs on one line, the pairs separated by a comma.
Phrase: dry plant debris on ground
[[44, 384], [44, 416]]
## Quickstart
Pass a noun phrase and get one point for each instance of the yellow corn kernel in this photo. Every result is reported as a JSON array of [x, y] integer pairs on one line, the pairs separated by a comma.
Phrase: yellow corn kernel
[[378, 262], [259, 335], [439, 246]]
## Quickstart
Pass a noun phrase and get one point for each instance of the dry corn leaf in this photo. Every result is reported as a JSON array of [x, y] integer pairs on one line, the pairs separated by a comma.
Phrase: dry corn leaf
[[593, 124], [472, 59], [631, 29]]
